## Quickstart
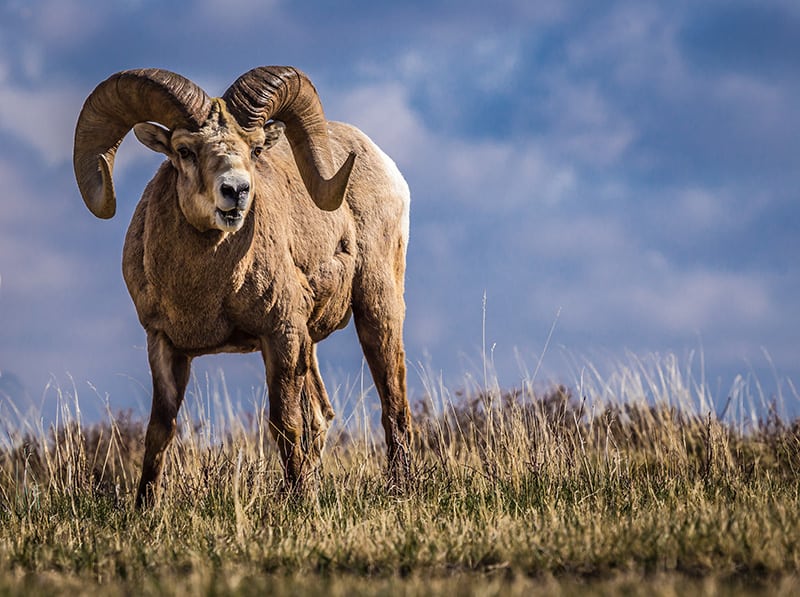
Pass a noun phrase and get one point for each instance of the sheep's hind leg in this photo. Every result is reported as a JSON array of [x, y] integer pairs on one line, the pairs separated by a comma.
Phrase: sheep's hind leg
[[317, 412], [380, 333], [170, 371]]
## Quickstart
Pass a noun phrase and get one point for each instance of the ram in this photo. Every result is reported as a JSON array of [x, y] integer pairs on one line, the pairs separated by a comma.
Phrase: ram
[[249, 238]]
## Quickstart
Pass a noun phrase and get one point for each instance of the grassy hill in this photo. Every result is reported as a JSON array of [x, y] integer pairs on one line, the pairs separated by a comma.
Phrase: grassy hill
[[631, 482]]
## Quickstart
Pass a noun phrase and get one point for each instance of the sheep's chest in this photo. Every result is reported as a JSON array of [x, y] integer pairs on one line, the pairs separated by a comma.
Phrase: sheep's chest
[[191, 302], [195, 321]]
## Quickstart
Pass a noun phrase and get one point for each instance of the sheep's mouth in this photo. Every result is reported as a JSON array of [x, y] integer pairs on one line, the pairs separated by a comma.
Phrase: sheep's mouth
[[230, 218]]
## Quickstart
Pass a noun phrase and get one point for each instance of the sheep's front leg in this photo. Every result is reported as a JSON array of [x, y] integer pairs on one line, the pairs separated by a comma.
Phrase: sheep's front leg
[[170, 371], [287, 361]]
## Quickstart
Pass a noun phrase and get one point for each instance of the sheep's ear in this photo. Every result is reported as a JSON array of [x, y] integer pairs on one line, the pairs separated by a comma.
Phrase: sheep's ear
[[273, 131], [153, 137]]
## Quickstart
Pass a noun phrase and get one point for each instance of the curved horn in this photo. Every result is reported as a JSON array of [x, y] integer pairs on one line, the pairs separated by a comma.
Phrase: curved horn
[[286, 94], [121, 101]]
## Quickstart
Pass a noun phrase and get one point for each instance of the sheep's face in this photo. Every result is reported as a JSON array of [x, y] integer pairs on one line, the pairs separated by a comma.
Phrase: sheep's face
[[215, 166]]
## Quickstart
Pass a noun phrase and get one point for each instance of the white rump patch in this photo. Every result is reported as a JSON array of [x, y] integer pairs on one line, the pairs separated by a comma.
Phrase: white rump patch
[[400, 188]]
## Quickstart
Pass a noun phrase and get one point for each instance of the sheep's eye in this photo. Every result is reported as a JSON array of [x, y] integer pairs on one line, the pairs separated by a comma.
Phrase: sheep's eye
[[257, 151], [184, 153]]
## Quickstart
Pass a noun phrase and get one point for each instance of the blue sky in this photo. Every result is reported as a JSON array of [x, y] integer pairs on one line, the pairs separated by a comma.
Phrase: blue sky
[[625, 171]]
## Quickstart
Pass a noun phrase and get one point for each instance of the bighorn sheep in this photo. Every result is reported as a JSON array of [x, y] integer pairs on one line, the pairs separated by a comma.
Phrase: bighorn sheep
[[245, 242]]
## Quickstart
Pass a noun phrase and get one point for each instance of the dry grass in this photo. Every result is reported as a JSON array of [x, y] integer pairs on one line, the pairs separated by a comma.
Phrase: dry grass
[[624, 479]]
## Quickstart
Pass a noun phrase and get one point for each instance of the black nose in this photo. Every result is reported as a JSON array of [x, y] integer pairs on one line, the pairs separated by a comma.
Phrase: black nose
[[236, 194]]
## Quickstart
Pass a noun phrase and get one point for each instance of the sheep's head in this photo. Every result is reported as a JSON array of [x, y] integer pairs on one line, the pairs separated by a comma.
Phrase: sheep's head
[[215, 165], [212, 143]]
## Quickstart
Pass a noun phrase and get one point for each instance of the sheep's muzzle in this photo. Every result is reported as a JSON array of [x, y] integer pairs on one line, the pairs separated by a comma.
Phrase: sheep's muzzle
[[230, 220]]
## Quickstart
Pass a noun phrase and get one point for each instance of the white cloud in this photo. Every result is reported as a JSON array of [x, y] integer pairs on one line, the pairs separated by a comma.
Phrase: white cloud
[[231, 13], [635, 42], [384, 113], [496, 60], [576, 240], [626, 292], [29, 263], [43, 118], [763, 106], [30, 270], [495, 175], [498, 176], [585, 126], [64, 23], [686, 301], [700, 209]]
